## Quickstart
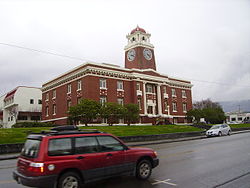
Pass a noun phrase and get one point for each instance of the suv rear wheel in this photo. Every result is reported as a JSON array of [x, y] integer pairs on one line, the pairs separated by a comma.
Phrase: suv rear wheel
[[69, 180], [144, 169]]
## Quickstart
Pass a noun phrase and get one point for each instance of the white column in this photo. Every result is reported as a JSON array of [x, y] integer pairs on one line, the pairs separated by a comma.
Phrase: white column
[[159, 99], [144, 98]]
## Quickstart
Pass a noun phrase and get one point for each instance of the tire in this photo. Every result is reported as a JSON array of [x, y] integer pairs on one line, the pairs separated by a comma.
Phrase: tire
[[69, 180], [220, 134], [229, 133], [143, 169]]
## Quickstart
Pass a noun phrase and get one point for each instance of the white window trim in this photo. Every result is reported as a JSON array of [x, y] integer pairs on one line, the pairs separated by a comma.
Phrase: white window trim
[[54, 110], [54, 94], [184, 104], [183, 96], [103, 81], [47, 97], [173, 93], [79, 88], [47, 111], [174, 109], [69, 89], [120, 83]]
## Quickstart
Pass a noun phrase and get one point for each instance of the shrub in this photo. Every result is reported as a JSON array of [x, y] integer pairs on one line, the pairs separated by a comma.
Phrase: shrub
[[32, 124]]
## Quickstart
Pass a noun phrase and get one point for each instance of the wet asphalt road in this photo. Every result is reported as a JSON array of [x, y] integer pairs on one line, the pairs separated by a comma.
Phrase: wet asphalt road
[[222, 162]]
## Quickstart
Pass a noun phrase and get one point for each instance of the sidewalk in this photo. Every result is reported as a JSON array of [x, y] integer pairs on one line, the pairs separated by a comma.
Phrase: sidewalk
[[153, 142]]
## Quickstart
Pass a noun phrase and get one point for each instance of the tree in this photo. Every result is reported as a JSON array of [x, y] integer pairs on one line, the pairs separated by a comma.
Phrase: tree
[[85, 111], [208, 103], [211, 111], [112, 112], [197, 114], [131, 113]]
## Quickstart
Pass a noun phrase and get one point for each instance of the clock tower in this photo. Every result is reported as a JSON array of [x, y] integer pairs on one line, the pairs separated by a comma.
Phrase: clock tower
[[139, 52]]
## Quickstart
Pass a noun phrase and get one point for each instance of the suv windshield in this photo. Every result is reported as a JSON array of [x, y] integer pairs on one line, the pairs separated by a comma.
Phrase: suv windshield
[[30, 148]]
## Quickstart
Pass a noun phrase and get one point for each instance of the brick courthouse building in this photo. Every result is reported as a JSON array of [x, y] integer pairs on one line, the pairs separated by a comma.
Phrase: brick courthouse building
[[159, 97]]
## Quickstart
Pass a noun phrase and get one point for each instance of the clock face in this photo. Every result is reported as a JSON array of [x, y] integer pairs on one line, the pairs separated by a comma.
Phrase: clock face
[[147, 53], [131, 55]]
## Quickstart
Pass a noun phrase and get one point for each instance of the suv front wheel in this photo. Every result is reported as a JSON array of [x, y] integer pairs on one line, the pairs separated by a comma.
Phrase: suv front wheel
[[144, 169], [69, 180]]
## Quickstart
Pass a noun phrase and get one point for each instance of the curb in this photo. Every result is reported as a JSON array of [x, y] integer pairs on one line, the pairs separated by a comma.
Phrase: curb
[[145, 143]]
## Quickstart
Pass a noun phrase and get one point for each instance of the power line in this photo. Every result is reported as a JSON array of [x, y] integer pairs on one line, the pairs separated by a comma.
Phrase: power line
[[80, 59], [218, 83], [42, 51]]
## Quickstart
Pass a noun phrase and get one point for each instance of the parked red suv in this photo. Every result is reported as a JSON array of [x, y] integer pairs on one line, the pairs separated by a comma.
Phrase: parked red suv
[[66, 157]]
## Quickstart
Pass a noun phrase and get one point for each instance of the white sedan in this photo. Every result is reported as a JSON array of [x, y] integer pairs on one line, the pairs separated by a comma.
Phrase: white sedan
[[219, 130]]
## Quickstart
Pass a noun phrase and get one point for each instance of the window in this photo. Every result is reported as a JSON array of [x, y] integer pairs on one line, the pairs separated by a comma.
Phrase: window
[[166, 105], [103, 100], [164, 89], [173, 93], [47, 97], [139, 103], [120, 101], [68, 104], [22, 118], [79, 85], [184, 107], [174, 107], [183, 94], [47, 111], [31, 148], [54, 94], [86, 145], [60, 146], [150, 109], [69, 88], [120, 85], [31, 101], [54, 109], [108, 143], [138, 86], [35, 118], [39, 101], [149, 88], [103, 83], [79, 100]]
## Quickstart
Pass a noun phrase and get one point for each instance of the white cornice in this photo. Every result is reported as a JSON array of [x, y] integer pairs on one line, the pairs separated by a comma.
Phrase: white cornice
[[109, 71], [138, 44]]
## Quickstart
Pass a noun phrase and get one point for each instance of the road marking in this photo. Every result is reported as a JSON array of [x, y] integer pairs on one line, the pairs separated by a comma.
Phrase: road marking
[[7, 181], [164, 181]]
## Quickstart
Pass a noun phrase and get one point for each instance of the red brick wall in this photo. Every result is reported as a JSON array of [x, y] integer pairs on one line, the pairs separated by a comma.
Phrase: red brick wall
[[91, 90]]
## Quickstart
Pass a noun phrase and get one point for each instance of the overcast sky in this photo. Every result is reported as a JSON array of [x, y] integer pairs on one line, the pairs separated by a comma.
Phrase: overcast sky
[[204, 41]]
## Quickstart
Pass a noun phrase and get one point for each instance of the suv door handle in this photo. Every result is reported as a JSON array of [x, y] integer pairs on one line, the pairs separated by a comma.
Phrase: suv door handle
[[109, 155], [80, 157]]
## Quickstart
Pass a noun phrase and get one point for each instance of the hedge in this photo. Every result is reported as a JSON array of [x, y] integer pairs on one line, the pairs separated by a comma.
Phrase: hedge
[[32, 124]]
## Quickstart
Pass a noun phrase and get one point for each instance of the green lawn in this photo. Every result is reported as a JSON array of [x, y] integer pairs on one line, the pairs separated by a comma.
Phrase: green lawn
[[239, 125], [18, 135]]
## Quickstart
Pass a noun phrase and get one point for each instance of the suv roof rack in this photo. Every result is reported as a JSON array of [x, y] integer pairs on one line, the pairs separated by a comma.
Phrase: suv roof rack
[[66, 129]]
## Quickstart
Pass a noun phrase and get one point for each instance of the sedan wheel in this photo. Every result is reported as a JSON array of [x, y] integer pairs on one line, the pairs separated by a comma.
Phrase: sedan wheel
[[229, 133], [143, 170], [220, 134]]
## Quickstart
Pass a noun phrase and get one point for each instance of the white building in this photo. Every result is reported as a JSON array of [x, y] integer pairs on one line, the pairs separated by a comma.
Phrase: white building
[[20, 104], [237, 117]]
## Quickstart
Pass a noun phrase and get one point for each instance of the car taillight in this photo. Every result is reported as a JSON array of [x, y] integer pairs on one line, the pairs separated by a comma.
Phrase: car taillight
[[156, 154], [36, 167]]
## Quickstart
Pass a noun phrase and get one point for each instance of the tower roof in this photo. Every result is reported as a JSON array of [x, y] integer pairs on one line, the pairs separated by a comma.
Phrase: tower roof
[[138, 29]]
